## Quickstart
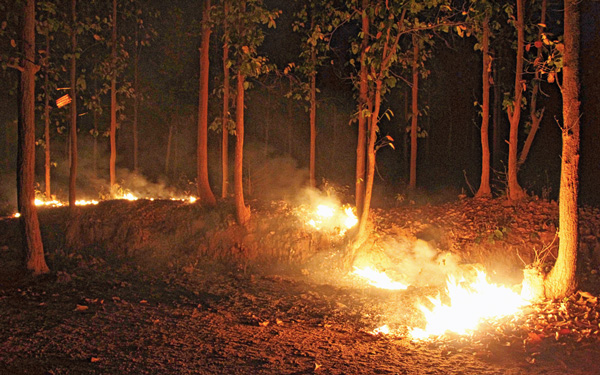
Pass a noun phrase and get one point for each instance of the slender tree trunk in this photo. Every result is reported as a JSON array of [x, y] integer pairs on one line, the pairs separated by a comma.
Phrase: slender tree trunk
[[205, 194], [73, 129], [484, 186], [169, 144], [536, 118], [313, 119], [496, 116], [113, 102], [561, 281], [515, 192], [362, 107], [30, 226], [370, 176], [412, 184], [136, 98], [267, 125], [47, 163], [225, 116], [242, 211]]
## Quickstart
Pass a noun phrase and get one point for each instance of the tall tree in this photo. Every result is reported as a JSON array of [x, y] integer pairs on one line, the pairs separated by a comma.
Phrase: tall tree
[[315, 22], [225, 116], [412, 181], [364, 109], [480, 23], [113, 101], [33, 247], [247, 36], [561, 281], [205, 194], [73, 123], [515, 192]]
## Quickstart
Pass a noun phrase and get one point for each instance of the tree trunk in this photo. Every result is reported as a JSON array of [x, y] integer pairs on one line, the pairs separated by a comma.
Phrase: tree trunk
[[169, 144], [496, 154], [113, 102], [136, 99], [73, 128], [30, 226], [484, 187], [225, 116], [561, 282], [370, 176], [362, 107], [313, 118], [412, 184], [536, 118], [47, 163], [515, 192], [95, 145], [205, 194], [242, 211]]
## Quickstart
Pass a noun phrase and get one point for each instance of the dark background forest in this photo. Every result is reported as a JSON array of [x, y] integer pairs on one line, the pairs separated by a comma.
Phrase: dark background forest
[[277, 130]]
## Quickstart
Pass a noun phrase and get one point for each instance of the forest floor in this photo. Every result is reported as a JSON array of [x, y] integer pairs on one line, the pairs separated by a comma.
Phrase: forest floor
[[99, 312]]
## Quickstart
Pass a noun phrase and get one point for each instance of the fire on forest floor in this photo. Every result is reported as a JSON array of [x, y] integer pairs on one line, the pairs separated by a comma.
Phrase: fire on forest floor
[[193, 317]]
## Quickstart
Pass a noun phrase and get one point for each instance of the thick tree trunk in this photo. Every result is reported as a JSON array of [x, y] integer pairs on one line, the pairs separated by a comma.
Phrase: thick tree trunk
[[205, 194], [515, 192], [73, 125], [561, 281], [412, 184], [47, 163], [536, 118], [95, 145], [225, 115], [362, 107], [496, 116], [30, 227], [242, 211], [484, 186], [113, 103]]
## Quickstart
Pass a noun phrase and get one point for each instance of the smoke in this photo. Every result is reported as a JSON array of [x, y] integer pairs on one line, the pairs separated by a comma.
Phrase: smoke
[[414, 263]]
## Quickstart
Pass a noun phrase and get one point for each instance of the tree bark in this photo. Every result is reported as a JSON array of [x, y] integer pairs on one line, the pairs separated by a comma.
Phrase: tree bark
[[484, 186], [30, 227], [515, 192], [136, 98], [205, 194], [47, 162], [313, 118], [113, 102], [561, 281], [225, 116], [73, 124], [242, 211], [362, 107], [412, 184]]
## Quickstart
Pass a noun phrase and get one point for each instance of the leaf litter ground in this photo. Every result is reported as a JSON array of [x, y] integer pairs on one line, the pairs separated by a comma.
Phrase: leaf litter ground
[[98, 313]]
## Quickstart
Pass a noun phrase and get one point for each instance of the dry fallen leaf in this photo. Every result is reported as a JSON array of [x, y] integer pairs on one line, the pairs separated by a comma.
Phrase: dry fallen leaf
[[264, 324], [94, 359], [81, 308]]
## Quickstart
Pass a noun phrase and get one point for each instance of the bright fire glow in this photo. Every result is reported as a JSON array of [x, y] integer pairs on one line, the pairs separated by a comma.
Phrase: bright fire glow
[[379, 279], [470, 303], [328, 217]]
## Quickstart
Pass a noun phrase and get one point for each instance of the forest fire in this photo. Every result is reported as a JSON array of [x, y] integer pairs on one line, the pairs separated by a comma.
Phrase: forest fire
[[465, 304], [332, 218], [379, 279], [469, 304]]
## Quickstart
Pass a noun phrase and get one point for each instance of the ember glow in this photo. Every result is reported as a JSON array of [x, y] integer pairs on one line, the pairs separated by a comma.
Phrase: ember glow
[[379, 279], [469, 304], [330, 217]]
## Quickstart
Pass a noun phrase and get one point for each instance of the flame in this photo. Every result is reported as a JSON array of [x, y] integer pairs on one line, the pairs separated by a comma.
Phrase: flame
[[470, 303], [379, 279], [329, 217]]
